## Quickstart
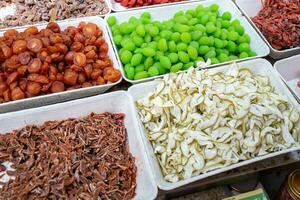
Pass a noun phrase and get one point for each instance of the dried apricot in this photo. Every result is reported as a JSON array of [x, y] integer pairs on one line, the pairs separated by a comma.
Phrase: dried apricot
[[35, 45]]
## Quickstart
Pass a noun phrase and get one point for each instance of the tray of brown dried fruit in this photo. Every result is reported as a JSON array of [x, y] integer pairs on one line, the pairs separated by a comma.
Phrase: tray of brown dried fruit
[[52, 63], [89, 148]]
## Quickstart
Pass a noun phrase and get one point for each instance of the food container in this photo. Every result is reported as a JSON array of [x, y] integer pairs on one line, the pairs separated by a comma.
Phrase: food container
[[117, 7], [257, 66], [289, 70], [115, 102], [66, 95], [166, 12], [291, 188], [250, 8], [10, 10]]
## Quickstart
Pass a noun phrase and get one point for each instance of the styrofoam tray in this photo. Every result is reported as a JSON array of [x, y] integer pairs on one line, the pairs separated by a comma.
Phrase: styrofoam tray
[[66, 95], [115, 102], [289, 70], [166, 12], [11, 9], [251, 8], [117, 7], [258, 66]]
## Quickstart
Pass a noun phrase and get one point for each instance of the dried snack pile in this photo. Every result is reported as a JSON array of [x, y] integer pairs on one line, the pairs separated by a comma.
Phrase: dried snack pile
[[37, 62], [34, 11], [86, 158]]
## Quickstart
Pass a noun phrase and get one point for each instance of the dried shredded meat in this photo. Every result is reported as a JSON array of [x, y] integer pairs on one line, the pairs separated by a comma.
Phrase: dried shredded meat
[[86, 158], [279, 21]]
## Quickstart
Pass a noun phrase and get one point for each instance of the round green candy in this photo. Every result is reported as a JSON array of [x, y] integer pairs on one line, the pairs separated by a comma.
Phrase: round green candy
[[204, 19], [193, 21], [196, 35], [165, 62], [176, 68], [121, 50], [244, 47], [144, 45], [138, 50], [133, 20], [252, 54], [225, 24], [156, 38], [153, 31], [223, 35], [219, 43], [214, 7], [233, 57], [204, 40], [173, 57], [129, 72], [212, 19], [126, 28], [232, 35], [175, 37], [214, 61], [217, 33], [186, 37], [136, 59], [138, 41], [148, 38], [211, 41], [141, 75], [188, 65], [218, 51], [210, 28], [200, 27], [195, 45], [172, 46], [192, 52], [125, 56], [203, 50], [117, 39], [210, 54], [158, 24], [218, 23], [225, 43], [244, 39], [199, 8], [145, 20], [239, 29], [148, 52], [181, 19], [166, 34], [146, 15], [191, 12], [223, 57], [226, 16], [139, 68], [181, 46], [231, 28], [153, 71], [140, 30], [162, 45], [235, 22], [179, 13], [160, 68], [183, 57], [158, 55], [231, 46], [181, 28], [111, 21], [128, 45], [243, 55], [152, 45], [148, 62], [199, 59], [189, 16]]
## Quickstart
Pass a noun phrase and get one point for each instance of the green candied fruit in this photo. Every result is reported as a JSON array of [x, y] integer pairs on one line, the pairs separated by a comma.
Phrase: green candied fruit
[[188, 65], [172, 46], [217, 33], [145, 20], [199, 8], [126, 28], [211, 41], [192, 52], [252, 54], [183, 57], [223, 57], [162, 45], [139, 68], [133, 20], [160, 68], [147, 38], [128, 45], [148, 62], [193, 21], [186, 37], [148, 52], [181, 28], [173, 57], [244, 39], [203, 49], [232, 36], [125, 56], [226, 16], [214, 8], [181, 46], [146, 15], [152, 45], [138, 50], [235, 22], [195, 45], [111, 21], [176, 68], [179, 13], [204, 19], [244, 47], [200, 27], [136, 59], [210, 54], [140, 30], [214, 61], [153, 71], [165, 62], [138, 41], [153, 31], [196, 35], [165, 34], [233, 57], [181, 19], [129, 72], [175, 37], [219, 43], [204, 40], [191, 12], [117, 39], [239, 29], [243, 55], [225, 24], [158, 24], [158, 55], [141, 75], [231, 46]]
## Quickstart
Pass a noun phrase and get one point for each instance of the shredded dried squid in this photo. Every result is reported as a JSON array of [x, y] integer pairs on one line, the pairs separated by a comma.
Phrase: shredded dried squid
[[200, 121]]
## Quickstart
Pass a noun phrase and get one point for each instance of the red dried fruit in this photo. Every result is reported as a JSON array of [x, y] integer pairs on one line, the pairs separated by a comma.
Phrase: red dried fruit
[[35, 45]]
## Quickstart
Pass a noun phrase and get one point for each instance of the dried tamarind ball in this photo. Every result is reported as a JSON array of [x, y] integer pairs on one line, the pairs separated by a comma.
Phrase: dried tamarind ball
[[24, 58], [70, 77], [35, 45], [54, 27], [34, 88], [57, 86], [17, 94], [19, 46], [79, 59]]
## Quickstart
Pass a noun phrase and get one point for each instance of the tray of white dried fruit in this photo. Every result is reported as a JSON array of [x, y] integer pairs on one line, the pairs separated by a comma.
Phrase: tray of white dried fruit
[[201, 123]]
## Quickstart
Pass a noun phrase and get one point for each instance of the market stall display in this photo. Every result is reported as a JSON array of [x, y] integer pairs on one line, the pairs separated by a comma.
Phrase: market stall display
[[150, 44], [27, 12], [200, 123], [72, 153]]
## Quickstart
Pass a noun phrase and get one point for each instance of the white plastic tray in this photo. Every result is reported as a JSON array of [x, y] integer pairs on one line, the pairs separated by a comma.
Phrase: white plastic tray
[[66, 95], [117, 7], [250, 8], [166, 12], [258, 66], [115, 102], [289, 70]]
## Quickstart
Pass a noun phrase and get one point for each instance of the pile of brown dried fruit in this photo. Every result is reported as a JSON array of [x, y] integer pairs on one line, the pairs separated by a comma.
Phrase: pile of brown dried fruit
[[86, 158], [41, 62], [33, 11]]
